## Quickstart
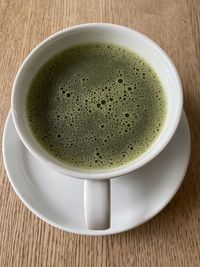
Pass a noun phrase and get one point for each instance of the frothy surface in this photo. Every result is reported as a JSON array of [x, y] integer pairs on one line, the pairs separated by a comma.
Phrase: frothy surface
[[96, 106]]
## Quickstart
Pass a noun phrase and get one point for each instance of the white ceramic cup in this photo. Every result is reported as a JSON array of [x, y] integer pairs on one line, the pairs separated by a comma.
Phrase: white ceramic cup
[[97, 182]]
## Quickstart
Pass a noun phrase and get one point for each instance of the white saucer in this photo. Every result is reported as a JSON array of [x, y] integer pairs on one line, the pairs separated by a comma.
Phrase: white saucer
[[58, 200]]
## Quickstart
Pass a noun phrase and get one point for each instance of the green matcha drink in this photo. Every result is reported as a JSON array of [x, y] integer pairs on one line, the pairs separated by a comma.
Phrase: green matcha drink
[[96, 106]]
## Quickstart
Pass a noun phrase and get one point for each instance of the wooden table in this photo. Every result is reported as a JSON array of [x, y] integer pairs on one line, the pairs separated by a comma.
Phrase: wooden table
[[172, 238]]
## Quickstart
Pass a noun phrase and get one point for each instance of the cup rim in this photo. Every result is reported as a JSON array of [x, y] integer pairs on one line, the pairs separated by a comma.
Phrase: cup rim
[[100, 173]]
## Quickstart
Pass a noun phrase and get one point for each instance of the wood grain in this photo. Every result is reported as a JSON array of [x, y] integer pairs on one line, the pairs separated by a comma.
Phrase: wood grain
[[172, 238]]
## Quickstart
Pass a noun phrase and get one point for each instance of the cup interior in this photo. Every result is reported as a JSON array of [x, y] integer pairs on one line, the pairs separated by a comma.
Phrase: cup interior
[[105, 33]]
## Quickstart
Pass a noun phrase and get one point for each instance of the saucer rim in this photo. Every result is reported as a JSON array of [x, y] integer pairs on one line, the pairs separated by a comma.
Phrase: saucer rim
[[88, 232]]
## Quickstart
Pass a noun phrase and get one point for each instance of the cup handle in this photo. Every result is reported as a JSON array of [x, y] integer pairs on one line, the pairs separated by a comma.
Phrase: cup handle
[[97, 204]]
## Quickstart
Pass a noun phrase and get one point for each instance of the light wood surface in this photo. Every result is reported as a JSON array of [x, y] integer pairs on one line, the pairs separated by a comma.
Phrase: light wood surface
[[172, 238]]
